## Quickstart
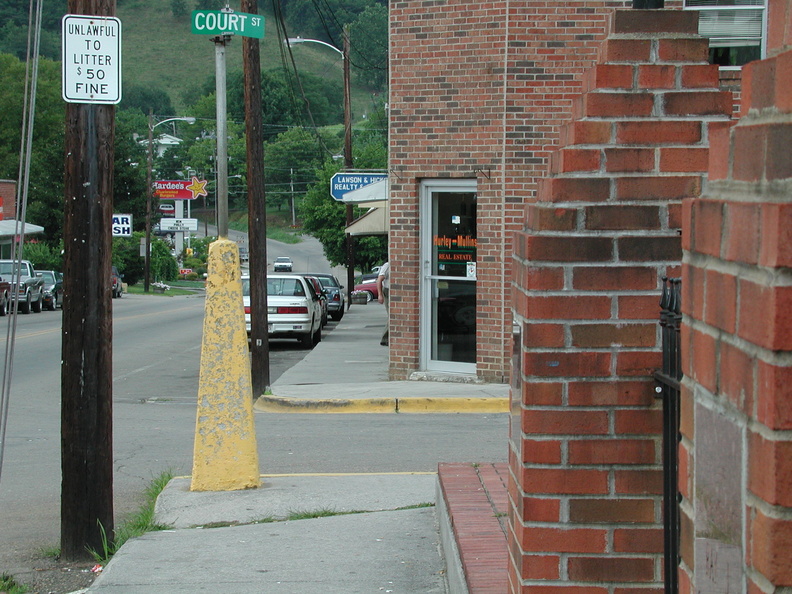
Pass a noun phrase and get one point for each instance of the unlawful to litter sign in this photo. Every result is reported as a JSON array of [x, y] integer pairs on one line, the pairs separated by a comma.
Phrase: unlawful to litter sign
[[91, 59]]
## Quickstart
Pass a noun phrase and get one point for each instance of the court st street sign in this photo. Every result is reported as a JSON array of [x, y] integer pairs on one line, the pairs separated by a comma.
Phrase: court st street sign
[[221, 22], [341, 183]]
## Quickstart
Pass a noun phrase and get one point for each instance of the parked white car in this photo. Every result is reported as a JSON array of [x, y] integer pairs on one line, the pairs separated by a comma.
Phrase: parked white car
[[294, 310]]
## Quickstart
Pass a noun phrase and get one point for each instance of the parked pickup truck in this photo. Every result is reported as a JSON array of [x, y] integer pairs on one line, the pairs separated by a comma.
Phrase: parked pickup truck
[[28, 290]]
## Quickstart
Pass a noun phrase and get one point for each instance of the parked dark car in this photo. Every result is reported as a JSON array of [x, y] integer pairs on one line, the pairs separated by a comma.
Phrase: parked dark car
[[53, 288], [336, 300], [319, 290]]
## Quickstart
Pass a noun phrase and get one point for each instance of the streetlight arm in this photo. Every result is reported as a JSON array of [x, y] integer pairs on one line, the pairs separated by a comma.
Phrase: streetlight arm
[[189, 120], [292, 40]]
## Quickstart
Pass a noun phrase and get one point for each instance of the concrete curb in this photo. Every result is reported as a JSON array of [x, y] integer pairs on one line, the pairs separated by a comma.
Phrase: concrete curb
[[278, 404]]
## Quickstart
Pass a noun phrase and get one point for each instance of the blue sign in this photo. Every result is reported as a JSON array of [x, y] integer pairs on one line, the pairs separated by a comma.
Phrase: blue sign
[[341, 183]]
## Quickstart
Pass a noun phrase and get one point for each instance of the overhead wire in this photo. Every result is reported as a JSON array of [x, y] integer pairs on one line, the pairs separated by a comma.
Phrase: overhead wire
[[285, 48], [23, 182]]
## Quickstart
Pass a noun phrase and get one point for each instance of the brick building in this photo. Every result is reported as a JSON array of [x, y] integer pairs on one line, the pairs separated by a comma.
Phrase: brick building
[[9, 226], [477, 95]]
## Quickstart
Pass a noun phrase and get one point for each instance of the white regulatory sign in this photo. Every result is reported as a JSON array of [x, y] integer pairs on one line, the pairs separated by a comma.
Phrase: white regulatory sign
[[169, 224], [91, 59]]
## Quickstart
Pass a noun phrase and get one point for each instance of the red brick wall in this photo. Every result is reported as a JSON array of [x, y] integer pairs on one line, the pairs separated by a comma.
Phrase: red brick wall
[[737, 342], [7, 199], [585, 452]]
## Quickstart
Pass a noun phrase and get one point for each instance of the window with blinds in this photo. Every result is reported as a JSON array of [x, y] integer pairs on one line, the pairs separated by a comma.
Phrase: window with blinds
[[735, 29]]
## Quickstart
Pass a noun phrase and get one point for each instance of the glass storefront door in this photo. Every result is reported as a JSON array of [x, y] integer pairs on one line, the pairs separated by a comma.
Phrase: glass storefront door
[[448, 252]]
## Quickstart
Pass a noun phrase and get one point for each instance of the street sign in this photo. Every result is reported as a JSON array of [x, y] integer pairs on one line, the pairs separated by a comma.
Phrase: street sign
[[91, 59], [122, 225], [169, 225], [221, 22], [179, 189], [341, 183]]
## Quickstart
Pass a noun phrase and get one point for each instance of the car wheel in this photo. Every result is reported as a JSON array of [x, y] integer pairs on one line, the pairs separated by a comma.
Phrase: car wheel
[[369, 296], [53, 304], [317, 336], [24, 306], [306, 340], [337, 315], [38, 304], [5, 308]]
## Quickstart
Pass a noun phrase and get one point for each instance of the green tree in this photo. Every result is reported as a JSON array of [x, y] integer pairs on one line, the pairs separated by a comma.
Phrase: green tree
[[144, 98], [368, 37], [129, 175], [179, 8], [291, 161], [163, 265], [43, 256], [325, 218], [127, 258], [45, 192]]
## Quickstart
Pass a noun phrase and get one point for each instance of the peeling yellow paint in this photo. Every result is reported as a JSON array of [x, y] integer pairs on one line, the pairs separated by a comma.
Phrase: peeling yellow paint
[[225, 456]]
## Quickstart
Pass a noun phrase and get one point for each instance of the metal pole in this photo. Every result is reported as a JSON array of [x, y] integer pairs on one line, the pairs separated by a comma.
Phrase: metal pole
[[222, 135], [149, 166]]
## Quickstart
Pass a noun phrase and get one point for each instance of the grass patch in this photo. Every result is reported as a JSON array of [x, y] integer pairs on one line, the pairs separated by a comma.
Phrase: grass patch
[[278, 226], [172, 292], [9, 586], [139, 523], [50, 552]]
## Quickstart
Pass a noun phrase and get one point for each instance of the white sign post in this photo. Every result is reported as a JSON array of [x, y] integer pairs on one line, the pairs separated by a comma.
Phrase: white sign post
[[91, 59]]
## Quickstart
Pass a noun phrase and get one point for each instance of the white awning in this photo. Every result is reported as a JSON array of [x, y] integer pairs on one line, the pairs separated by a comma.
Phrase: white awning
[[371, 193], [8, 228], [374, 222]]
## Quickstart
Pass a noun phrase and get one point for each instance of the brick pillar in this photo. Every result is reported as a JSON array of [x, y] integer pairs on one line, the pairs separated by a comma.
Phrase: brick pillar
[[736, 421], [585, 448]]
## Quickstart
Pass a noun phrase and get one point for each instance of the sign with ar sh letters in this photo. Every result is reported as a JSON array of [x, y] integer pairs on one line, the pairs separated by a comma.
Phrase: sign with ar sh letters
[[91, 59], [122, 225]]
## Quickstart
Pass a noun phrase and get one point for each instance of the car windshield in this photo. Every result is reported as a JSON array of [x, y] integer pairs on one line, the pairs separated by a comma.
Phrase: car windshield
[[285, 286], [7, 268], [246, 287], [282, 260], [328, 281], [48, 276]]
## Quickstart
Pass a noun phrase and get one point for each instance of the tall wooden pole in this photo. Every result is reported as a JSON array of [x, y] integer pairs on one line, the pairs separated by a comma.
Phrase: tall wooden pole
[[350, 241], [149, 198], [86, 369], [257, 211]]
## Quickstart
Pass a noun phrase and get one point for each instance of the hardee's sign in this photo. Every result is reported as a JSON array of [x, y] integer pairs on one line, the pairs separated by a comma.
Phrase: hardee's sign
[[180, 189]]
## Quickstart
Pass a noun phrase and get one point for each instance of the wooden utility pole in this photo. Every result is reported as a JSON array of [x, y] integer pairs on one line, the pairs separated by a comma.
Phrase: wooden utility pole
[[257, 211], [86, 370], [350, 241]]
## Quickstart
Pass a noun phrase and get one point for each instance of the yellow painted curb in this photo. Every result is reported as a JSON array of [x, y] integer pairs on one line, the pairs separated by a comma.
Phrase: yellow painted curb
[[277, 404], [299, 405], [457, 405]]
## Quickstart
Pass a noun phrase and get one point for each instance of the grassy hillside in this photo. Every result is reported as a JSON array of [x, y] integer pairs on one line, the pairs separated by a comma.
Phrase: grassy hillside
[[160, 50]]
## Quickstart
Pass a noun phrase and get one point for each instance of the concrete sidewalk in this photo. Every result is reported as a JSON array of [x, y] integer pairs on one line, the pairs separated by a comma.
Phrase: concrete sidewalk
[[348, 372], [344, 533]]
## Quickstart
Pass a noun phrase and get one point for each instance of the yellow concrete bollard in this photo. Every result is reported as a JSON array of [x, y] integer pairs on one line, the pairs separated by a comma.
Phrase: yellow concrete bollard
[[225, 457]]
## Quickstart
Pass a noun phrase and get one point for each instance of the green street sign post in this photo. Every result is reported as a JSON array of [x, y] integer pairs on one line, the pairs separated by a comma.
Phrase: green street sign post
[[221, 22]]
